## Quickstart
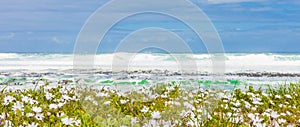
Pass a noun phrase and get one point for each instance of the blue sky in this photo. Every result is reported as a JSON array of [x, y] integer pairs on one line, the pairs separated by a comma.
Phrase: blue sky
[[243, 25]]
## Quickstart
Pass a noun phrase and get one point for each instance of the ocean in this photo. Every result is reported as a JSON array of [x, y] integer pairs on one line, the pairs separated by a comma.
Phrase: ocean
[[243, 68], [235, 62]]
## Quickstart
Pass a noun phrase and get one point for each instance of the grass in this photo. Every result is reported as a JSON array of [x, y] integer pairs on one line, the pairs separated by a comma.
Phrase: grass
[[153, 105]]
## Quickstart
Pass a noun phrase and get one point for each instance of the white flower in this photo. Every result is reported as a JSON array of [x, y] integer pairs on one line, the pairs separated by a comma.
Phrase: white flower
[[277, 96], [268, 110], [184, 113], [36, 109], [155, 115], [88, 98], [8, 123], [237, 119], [247, 104], [100, 94], [190, 123], [264, 94], [288, 113], [3, 115], [259, 124], [106, 102], [33, 124], [170, 88], [8, 99], [67, 121], [25, 99], [53, 106], [151, 123], [251, 116], [120, 94], [237, 104], [66, 97], [275, 123], [199, 110], [167, 123], [145, 109], [256, 101], [29, 114], [281, 121], [18, 106], [123, 101], [74, 98], [60, 105], [39, 116], [133, 120], [283, 114], [48, 95], [288, 96], [229, 114], [95, 102], [257, 121], [185, 98], [274, 114], [31, 101], [266, 114], [63, 90], [164, 96], [169, 103], [225, 101], [189, 106], [177, 103]]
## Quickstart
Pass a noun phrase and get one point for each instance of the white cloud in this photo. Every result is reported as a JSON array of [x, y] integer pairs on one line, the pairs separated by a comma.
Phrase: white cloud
[[60, 40], [230, 1], [262, 9], [56, 40], [7, 36]]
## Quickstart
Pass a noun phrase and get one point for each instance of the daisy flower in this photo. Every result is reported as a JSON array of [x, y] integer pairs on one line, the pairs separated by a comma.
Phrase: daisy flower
[[25, 99], [155, 115], [48, 95], [39, 117], [53, 106], [67, 121], [123, 101], [18, 105], [33, 124], [8, 100], [274, 114], [36, 109], [29, 114], [145, 109]]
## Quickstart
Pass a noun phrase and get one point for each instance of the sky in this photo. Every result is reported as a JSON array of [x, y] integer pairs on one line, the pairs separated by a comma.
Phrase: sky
[[243, 25]]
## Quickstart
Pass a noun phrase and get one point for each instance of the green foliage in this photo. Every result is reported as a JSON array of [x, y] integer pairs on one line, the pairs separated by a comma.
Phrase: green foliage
[[162, 104]]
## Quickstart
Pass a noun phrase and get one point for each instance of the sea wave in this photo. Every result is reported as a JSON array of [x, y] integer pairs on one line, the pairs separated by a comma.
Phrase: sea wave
[[235, 62]]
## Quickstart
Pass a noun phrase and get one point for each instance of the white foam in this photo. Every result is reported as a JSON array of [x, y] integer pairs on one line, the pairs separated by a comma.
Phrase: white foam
[[286, 63]]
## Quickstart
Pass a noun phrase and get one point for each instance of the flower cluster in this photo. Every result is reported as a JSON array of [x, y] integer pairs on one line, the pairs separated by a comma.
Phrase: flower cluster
[[149, 105], [42, 106]]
